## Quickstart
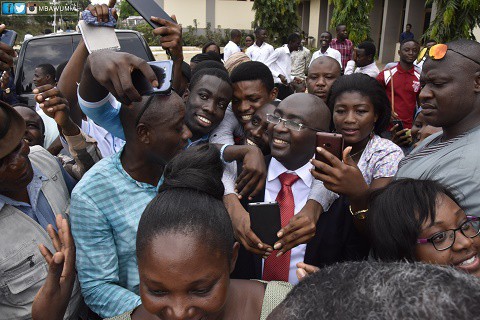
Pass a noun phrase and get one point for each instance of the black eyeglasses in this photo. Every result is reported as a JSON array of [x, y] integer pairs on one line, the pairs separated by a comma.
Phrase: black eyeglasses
[[444, 240], [289, 124]]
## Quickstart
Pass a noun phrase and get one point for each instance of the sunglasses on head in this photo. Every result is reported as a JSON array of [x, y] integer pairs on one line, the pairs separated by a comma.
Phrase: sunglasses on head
[[438, 52]]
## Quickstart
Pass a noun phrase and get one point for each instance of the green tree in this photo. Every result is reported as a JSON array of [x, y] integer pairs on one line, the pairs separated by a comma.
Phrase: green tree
[[355, 14], [279, 17], [455, 19], [126, 10]]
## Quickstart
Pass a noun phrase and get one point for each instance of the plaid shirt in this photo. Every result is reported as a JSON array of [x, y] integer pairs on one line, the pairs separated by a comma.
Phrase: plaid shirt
[[345, 48], [105, 211]]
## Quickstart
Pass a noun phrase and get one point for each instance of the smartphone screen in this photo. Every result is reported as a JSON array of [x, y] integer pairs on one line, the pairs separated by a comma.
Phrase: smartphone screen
[[8, 37]]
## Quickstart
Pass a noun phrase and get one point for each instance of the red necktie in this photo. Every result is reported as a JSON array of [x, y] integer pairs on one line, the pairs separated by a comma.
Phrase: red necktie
[[278, 268]]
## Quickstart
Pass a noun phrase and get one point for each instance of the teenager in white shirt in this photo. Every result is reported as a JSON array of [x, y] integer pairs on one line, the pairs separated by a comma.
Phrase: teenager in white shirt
[[233, 45], [260, 50], [326, 50]]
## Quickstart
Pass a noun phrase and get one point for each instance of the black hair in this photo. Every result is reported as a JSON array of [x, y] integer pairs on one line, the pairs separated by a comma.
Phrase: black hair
[[397, 213], [368, 87], [206, 56], [340, 25], [219, 73], [190, 202], [329, 33], [208, 64], [293, 37], [186, 71], [369, 48], [408, 24], [251, 36], [23, 105], [48, 69], [253, 70], [429, 40], [235, 33], [257, 31], [408, 40], [208, 44]]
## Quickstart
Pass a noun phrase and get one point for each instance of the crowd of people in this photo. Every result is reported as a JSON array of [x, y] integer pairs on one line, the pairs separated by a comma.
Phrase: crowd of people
[[120, 204]]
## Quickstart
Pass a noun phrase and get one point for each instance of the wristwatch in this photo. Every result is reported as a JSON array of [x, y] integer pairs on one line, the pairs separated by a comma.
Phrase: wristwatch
[[7, 91], [360, 214]]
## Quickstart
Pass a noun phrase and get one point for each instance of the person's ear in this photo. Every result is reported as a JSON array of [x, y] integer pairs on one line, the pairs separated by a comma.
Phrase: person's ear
[[185, 95], [477, 82], [273, 94], [143, 133], [236, 247]]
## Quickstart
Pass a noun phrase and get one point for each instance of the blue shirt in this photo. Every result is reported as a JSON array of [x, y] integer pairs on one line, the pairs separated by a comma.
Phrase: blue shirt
[[105, 211], [38, 209]]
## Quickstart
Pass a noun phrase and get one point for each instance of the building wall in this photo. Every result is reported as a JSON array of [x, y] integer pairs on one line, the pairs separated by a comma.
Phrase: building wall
[[187, 10], [231, 14]]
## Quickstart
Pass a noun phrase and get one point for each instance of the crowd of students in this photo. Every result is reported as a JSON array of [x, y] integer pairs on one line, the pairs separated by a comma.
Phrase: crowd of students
[[140, 210]]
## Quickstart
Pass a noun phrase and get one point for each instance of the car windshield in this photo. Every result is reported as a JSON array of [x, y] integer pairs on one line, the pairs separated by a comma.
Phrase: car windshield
[[57, 50]]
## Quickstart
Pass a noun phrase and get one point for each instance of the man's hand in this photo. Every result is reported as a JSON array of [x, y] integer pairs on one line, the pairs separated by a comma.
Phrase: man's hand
[[52, 299], [300, 229], [6, 54], [113, 71], [101, 11], [241, 226], [56, 106], [171, 36], [283, 79], [401, 138], [340, 177], [305, 270], [254, 173]]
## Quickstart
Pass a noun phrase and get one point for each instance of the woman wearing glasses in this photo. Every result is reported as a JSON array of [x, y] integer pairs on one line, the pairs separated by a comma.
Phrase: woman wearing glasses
[[420, 220]]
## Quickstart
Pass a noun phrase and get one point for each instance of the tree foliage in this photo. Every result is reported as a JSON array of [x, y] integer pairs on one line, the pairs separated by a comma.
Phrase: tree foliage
[[455, 19], [355, 14], [279, 17], [126, 10]]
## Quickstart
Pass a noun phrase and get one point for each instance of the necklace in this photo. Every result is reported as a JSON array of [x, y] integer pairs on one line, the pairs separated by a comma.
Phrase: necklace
[[353, 155]]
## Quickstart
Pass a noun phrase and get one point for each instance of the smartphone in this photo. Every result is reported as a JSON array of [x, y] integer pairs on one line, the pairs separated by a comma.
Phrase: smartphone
[[164, 72], [265, 220], [149, 8], [8, 37], [332, 142], [399, 123]]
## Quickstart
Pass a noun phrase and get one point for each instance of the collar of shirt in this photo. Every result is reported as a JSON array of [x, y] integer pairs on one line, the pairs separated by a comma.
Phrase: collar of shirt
[[368, 66], [260, 47], [285, 48], [275, 169], [118, 165], [33, 190], [203, 139], [401, 70]]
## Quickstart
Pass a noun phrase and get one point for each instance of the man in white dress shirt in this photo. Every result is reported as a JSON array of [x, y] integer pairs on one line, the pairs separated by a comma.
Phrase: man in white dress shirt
[[280, 64], [233, 45], [260, 50], [363, 60], [326, 50]]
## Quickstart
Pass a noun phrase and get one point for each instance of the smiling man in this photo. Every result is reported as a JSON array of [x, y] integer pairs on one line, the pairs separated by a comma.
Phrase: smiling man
[[326, 50], [450, 98]]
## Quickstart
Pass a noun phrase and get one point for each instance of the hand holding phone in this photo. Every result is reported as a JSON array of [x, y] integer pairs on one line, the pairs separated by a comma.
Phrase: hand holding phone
[[148, 9], [8, 37], [164, 72], [332, 142]]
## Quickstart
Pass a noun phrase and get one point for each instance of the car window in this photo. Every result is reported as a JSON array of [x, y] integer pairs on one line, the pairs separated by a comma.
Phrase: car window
[[57, 50]]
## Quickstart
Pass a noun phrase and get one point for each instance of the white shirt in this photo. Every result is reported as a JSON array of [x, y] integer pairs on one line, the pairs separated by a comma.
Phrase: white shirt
[[230, 49], [106, 142], [280, 63], [51, 128], [261, 53], [371, 69], [300, 189], [334, 53]]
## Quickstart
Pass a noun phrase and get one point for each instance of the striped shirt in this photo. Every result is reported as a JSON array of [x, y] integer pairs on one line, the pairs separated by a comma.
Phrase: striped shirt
[[345, 48], [105, 211]]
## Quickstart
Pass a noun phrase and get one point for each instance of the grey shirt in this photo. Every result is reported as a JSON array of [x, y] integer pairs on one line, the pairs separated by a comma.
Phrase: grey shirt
[[455, 163]]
